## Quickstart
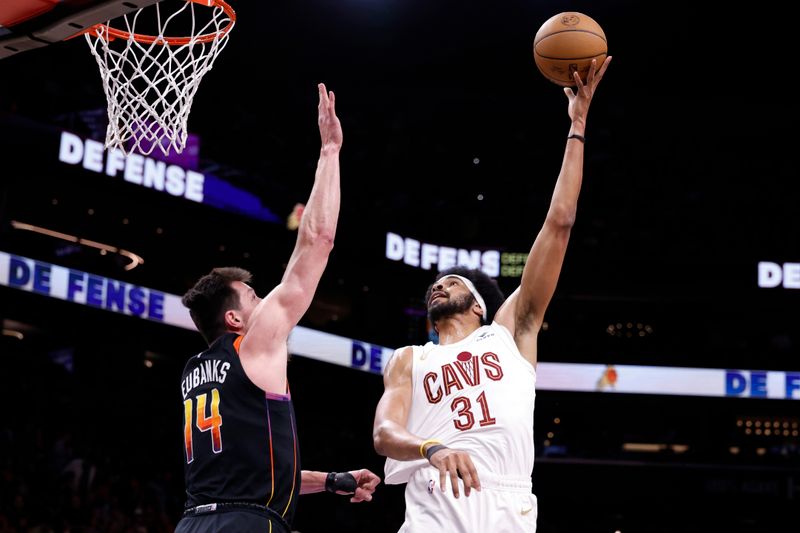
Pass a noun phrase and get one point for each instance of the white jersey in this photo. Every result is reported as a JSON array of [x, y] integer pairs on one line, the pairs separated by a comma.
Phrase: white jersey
[[476, 395]]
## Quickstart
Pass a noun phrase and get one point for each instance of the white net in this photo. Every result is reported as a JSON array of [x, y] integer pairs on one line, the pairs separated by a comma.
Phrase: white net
[[467, 370], [150, 80]]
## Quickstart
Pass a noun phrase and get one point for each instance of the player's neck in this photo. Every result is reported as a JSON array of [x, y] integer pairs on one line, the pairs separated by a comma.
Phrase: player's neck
[[456, 328]]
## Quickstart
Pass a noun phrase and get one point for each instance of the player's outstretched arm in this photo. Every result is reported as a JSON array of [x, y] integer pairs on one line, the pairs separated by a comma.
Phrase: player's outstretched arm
[[263, 349], [523, 312]]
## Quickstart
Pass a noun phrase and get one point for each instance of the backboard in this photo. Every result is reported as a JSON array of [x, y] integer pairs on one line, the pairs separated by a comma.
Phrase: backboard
[[31, 24]]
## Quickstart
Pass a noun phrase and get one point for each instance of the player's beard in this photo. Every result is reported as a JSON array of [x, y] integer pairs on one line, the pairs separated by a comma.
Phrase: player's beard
[[450, 307]]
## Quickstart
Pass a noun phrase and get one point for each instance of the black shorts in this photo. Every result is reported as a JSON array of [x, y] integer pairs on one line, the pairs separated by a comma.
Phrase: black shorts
[[230, 520]]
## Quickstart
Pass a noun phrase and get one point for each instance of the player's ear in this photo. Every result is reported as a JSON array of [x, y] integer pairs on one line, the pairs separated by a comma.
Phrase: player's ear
[[233, 320], [478, 310]]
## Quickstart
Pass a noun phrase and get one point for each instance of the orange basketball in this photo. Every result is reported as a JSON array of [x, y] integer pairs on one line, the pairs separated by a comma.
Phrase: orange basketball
[[568, 42]]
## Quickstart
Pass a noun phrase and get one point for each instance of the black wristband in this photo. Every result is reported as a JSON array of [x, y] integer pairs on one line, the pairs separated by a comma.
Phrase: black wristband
[[340, 482], [432, 450], [581, 138]]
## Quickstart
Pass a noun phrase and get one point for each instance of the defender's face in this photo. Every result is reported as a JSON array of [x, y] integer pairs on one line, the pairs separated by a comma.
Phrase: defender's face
[[248, 300]]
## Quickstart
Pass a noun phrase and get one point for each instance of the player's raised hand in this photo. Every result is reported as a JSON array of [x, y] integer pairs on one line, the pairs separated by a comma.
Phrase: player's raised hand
[[580, 99], [330, 129]]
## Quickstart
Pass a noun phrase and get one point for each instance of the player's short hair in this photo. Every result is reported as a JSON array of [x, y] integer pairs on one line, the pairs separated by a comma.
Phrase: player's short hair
[[211, 297], [486, 286]]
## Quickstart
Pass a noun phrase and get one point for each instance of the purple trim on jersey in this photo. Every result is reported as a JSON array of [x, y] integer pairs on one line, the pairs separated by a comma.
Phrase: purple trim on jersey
[[271, 458], [294, 474], [279, 397]]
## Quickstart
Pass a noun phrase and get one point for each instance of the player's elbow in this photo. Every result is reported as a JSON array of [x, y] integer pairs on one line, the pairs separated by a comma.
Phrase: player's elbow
[[320, 239], [380, 439], [561, 216], [324, 242]]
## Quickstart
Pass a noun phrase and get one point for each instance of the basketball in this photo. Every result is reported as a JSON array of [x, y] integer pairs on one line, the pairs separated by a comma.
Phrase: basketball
[[566, 43]]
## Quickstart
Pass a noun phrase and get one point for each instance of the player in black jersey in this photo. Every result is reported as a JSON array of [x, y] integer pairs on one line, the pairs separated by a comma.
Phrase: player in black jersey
[[242, 464]]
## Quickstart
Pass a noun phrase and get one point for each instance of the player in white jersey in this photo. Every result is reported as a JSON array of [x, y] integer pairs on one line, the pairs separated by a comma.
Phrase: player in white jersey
[[456, 418]]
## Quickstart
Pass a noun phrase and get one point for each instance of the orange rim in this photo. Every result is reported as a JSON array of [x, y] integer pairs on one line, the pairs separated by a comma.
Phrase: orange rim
[[107, 32]]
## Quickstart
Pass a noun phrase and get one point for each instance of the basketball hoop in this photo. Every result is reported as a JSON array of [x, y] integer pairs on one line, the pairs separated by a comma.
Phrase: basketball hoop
[[150, 79]]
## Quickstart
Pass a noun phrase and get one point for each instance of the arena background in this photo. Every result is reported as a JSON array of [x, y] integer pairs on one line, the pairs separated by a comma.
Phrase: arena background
[[684, 255]]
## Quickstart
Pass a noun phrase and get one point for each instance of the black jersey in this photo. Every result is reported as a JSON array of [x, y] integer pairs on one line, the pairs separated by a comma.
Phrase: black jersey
[[240, 443]]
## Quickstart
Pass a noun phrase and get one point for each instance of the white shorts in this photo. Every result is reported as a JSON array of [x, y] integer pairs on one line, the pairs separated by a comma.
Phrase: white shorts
[[503, 505]]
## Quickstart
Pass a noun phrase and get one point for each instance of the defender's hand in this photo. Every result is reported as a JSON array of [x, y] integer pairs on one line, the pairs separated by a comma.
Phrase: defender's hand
[[330, 129], [366, 482]]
